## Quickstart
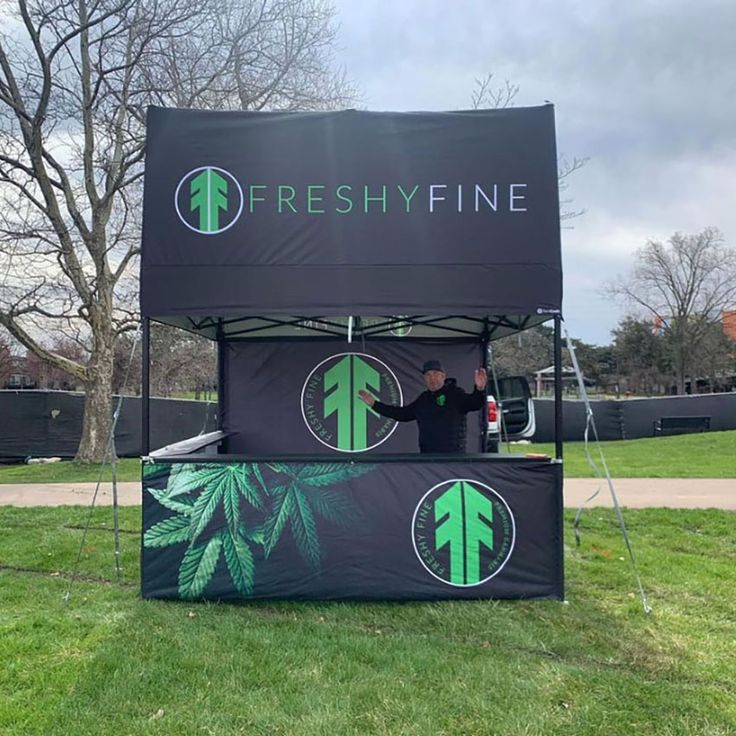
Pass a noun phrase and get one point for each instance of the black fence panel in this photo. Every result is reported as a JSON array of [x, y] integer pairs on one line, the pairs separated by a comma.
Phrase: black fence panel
[[607, 419], [640, 414], [632, 418], [49, 423], [63, 414], [24, 420]]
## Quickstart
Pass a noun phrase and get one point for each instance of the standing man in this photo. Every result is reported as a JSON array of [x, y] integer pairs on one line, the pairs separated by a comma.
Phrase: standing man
[[439, 411]]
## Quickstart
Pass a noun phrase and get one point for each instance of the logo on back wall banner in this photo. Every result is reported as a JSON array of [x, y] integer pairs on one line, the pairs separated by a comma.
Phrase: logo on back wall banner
[[463, 532], [208, 200], [332, 410]]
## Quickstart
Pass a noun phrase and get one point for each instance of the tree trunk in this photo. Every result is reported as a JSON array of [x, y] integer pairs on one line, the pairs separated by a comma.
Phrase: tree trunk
[[97, 405], [680, 370]]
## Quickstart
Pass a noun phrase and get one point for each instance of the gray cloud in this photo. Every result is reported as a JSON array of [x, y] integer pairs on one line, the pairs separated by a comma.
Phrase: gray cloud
[[647, 89]]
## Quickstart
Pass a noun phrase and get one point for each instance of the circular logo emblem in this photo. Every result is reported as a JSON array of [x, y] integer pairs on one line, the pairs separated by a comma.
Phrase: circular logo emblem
[[402, 328], [334, 413], [463, 532], [208, 200]]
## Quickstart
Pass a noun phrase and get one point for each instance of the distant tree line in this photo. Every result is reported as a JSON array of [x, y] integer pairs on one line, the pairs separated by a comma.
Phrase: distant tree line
[[183, 365], [639, 361], [679, 333], [674, 339]]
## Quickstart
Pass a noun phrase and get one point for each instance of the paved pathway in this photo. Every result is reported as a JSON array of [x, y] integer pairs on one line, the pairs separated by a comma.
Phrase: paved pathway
[[686, 493], [67, 494]]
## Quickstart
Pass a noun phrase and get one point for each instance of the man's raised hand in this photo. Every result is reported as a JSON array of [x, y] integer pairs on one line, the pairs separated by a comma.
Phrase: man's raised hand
[[481, 379]]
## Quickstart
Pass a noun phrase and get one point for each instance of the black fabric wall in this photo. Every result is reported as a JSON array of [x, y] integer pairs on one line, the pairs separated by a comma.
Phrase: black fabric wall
[[618, 420], [49, 423], [277, 401]]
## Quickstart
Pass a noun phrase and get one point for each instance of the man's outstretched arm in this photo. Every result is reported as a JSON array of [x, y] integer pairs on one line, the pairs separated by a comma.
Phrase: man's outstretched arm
[[399, 413]]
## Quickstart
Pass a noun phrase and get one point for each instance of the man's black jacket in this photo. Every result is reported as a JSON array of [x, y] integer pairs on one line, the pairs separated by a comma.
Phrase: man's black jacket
[[440, 416]]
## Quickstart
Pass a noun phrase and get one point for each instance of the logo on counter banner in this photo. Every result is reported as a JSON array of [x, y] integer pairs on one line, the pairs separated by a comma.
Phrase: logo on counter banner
[[463, 532], [332, 410]]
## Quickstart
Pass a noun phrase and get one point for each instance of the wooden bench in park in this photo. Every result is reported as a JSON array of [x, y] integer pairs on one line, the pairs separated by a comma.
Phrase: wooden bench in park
[[681, 425]]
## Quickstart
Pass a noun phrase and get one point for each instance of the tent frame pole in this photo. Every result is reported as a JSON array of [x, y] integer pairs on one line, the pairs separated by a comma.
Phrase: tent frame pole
[[484, 341], [145, 387], [221, 377], [558, 386]]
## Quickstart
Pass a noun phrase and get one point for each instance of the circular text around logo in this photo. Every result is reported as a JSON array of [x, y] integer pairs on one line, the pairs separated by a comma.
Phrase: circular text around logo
[[463, 532], [334, 413]]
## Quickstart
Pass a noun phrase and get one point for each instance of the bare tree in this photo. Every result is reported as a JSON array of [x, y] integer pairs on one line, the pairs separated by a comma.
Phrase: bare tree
[[488, 94], [180, 363], [715, 360], [685, 285], [524, 353], [75, 79], [642, 358]]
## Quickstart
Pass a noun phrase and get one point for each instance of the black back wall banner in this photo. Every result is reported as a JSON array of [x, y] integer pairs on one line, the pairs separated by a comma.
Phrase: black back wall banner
[[351, 213], [352, 530], [301, 397]]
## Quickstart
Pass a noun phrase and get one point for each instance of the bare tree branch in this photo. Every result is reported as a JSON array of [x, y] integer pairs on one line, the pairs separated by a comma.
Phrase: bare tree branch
[[73, 98]]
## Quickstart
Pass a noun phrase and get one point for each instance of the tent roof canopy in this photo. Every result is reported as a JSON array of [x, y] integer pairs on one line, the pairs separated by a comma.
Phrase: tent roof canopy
[[254, 223], [355, 328]]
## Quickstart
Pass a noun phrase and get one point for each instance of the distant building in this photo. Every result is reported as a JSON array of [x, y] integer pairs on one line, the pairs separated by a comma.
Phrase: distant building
[[728, 320], [729, 323], [545, 380], [19, 377]]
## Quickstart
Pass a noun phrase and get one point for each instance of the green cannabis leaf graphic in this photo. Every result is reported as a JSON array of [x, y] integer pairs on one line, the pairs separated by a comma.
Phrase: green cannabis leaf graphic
[[239, 559], [233, 508], [173, 530], [298, 501], [197, 567]]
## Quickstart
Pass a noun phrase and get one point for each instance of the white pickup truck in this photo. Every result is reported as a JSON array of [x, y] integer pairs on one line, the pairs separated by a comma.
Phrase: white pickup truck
[[511, 414]]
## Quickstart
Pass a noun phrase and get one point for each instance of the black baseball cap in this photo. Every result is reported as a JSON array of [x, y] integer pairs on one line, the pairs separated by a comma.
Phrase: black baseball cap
[[432, 365]]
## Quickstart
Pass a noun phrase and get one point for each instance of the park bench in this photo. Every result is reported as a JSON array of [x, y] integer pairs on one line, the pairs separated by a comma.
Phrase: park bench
[[680, 425]]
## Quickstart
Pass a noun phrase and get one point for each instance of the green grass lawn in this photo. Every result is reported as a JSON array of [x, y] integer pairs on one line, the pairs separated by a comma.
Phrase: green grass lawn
[[68, 471], [110, 663], [708, 455]]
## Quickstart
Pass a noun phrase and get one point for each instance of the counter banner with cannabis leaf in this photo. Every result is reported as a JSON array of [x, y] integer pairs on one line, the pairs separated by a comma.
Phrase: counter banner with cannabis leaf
[[301, 397], [408, 529]]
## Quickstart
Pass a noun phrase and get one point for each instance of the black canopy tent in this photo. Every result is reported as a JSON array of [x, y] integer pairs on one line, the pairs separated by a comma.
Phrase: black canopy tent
[[391, 236]]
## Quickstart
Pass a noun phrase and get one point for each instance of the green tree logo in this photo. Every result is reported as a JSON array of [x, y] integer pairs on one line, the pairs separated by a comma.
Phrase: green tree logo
[[208, 200], [402, 327], [332, 410], [463, 532]]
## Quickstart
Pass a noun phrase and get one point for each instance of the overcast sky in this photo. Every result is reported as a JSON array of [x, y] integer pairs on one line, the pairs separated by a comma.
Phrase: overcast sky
[[646, 89]]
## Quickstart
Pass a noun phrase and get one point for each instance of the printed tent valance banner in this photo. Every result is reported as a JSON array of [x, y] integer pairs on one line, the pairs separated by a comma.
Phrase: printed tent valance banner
[[351, 213], [411, 530]]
